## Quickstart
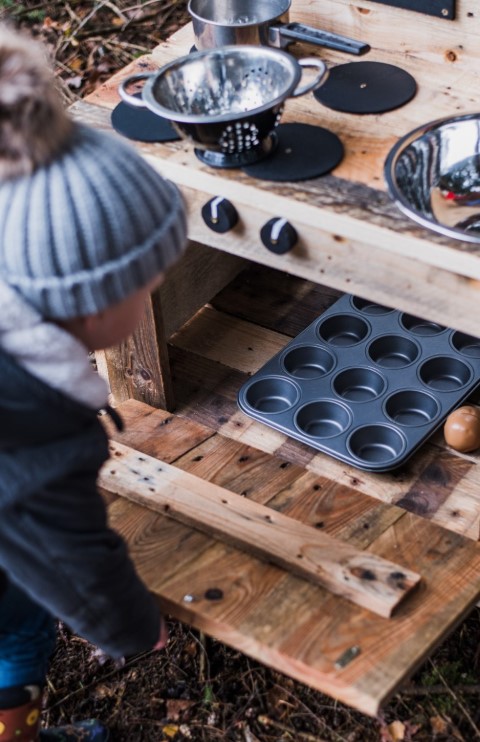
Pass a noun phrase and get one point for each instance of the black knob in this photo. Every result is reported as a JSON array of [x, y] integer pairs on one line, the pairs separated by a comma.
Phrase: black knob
[[219, 214], [278, 235]]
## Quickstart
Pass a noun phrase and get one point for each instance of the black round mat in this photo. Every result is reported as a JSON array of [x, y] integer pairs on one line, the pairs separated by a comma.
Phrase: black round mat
[[366, 87], [302, 152], [141, 124]]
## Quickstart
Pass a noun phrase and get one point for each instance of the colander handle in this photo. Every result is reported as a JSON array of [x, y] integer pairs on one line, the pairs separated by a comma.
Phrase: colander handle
[[132, 100], [319, 78]]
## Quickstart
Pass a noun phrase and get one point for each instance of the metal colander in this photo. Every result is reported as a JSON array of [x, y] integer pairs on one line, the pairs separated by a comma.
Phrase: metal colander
[[226, 100], [219, 85]]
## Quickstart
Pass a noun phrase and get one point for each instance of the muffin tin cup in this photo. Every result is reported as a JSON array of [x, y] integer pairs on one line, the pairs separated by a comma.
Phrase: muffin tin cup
[[365, 383], [308, 362], [323, 419], [376, 444], [272, 395]]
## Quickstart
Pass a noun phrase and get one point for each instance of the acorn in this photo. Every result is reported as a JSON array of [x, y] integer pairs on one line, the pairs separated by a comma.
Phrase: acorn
[[462, 429]]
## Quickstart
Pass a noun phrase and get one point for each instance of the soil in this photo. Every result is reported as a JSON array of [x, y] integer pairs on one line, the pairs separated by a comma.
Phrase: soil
[[199, 689]]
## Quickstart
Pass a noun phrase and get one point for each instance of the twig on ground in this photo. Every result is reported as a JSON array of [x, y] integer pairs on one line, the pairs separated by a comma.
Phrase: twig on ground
[[294, 733], [457, 699], [438, 690], [95, 682]]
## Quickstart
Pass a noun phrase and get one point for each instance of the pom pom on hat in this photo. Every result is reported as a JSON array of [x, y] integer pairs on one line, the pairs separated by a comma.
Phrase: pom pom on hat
[[33, 123], [85, 221]]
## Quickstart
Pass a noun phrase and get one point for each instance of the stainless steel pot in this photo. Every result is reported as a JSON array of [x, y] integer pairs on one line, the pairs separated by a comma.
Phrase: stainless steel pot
[[225, 22], [226, 101]]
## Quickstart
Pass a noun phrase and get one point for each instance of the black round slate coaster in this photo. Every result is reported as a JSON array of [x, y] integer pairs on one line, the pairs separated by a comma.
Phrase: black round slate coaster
[[366, 87], [302, 152], [141, 124]]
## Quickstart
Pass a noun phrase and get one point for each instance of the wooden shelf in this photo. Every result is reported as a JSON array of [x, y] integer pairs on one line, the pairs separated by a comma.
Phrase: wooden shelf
[[282, 620]]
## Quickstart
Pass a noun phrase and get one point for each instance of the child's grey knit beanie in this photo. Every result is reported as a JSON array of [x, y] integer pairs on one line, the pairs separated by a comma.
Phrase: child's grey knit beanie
[[88, 229], [84, 220]]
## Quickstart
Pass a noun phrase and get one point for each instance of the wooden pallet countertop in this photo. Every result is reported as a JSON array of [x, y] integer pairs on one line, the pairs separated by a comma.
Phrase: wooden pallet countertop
[[423, 517], [351, 235]]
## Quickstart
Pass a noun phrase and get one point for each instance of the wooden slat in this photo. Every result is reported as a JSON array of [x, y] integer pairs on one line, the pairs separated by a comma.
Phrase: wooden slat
[[436, 483], [373, 583], [286, 622]]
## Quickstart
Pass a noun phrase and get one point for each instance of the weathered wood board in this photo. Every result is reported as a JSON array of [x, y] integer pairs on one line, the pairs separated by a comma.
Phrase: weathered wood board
[[367, 580], [280, 619]]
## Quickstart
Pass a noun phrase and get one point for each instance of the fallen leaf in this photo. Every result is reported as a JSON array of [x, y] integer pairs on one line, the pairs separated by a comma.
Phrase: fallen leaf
[[176, 708], [170, 730], [439, 724], [397, 731], [105, 691]]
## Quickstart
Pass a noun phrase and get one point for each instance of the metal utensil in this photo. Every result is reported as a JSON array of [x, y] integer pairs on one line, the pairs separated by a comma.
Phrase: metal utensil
[[228, 22], [226, 100], [433, 175]]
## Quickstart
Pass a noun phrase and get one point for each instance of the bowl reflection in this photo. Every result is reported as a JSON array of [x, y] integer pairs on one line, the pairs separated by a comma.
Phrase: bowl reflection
[[433, 175]]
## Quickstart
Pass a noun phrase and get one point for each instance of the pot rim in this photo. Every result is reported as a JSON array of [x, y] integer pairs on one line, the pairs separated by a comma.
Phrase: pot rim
[[223, 24], [237, 49]]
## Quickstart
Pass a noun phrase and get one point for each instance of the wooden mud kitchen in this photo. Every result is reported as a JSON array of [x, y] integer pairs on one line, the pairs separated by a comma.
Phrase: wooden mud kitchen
[[341, 576]]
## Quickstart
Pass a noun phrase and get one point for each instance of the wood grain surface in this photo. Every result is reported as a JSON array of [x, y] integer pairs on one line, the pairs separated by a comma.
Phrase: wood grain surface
[[284, 621], [351, 234], [287, 622], [363, 578]]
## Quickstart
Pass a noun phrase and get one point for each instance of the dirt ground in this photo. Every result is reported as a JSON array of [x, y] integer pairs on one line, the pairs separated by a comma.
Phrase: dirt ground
[[199, 689]]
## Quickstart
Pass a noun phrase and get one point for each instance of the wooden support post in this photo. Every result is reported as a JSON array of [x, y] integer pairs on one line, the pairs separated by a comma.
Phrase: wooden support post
[[139, 368]]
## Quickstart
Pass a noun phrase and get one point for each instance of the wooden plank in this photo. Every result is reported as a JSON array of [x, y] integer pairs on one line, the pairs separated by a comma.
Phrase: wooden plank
[[139, 367], [274, 299], [375, 22], [373, 583], [218, 336], [192, 281], [241, 469], [289, 623], [443, 485]]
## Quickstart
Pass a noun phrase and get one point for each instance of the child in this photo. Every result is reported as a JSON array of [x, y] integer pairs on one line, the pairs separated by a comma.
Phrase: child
[[87, 229]]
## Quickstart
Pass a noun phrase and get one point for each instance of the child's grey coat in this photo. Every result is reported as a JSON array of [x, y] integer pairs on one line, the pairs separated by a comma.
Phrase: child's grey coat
[[54, 539]]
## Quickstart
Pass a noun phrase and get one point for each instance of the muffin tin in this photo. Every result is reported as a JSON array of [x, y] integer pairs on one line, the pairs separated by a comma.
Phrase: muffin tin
[[364, 383]]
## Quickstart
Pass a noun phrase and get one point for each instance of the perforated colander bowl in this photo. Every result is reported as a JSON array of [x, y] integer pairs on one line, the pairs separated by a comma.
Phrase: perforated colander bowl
[[226, 100]]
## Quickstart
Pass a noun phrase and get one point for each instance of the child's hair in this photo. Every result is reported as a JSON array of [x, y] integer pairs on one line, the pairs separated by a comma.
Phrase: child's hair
[[33, 122], [84, 219]]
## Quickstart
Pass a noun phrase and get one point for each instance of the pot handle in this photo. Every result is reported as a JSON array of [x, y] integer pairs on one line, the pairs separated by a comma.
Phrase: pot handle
[[290, 32], [319, 78], [132, 100]]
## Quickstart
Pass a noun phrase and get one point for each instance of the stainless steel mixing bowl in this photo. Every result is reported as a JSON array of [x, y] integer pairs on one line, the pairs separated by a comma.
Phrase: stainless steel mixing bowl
[[433, 175]]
